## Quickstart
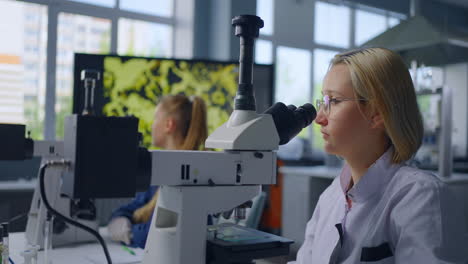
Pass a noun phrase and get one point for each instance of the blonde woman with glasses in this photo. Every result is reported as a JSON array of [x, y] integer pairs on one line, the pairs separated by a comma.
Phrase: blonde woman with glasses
[[379, 210]]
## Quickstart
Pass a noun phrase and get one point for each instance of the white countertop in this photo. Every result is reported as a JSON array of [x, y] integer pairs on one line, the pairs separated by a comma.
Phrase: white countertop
[[20, 185], [311, 171], [83, 253], [331, 172]]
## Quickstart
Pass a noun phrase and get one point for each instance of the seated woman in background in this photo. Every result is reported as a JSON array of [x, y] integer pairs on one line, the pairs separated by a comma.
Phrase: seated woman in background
[[179, 124], [378, 210]]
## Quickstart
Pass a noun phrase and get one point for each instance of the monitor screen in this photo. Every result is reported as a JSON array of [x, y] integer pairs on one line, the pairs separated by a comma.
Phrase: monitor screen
[[133, 86]]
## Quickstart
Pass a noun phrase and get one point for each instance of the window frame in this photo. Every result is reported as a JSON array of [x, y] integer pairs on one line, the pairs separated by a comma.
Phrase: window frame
[[276, 42], [54, 8]]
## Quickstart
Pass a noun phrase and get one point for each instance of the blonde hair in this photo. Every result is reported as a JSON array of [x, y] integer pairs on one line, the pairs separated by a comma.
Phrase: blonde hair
[[381, 77], [190, 115]]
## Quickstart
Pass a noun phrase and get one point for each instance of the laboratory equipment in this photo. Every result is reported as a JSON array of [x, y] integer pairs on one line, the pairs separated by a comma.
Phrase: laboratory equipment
[[99, 159], [103, 151], [48, 238], [229, 243], [189, 76], [62, 233], [15, 146], [102, 158], [195, 184], [89, 78], [30, 254], [1, 244], [6, 244]]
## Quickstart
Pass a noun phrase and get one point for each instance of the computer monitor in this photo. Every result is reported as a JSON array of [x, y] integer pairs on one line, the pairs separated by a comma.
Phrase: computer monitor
[[133, 85]]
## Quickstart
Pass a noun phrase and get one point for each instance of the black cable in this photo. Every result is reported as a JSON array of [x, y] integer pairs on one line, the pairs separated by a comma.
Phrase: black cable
[[17, 217], [66, 219]]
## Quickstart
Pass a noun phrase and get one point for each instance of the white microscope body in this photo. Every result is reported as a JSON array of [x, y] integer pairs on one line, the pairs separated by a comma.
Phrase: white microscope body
[[52, 150], [195, 184]]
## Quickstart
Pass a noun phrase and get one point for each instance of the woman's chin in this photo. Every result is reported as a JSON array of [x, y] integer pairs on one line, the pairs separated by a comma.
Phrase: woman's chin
[[329, 149]]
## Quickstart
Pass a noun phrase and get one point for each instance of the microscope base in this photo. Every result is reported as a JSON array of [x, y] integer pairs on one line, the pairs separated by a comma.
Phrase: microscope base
[[178, 229], [233, 244]]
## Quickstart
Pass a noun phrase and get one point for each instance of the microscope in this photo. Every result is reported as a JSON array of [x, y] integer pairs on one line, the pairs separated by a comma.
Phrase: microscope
[[80, 208], [17, 147], [40, 223], [102, 159], [97, 159], [195, 184]]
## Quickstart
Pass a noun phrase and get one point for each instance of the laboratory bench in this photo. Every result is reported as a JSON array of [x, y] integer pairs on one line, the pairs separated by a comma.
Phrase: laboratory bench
[[19, 185], [81, 253], [92, 253], [302, 186], [15, 199]]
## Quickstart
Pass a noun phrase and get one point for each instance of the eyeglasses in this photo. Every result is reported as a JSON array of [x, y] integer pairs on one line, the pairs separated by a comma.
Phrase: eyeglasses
[[325, 103]]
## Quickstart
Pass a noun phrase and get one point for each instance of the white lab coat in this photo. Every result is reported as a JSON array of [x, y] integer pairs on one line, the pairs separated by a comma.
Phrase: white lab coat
[[398, 214]]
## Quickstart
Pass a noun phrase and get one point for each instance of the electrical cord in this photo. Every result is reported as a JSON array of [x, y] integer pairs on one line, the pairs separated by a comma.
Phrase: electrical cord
[[17, 217], [64, 218]]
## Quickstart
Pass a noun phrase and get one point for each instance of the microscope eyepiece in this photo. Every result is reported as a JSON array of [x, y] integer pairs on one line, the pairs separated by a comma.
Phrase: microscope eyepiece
[[290, 120], [247, 25], [247, 29], [305, 114]]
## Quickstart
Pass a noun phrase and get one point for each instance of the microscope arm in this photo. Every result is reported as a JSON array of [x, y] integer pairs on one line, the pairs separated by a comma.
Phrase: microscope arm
[[211, 168]]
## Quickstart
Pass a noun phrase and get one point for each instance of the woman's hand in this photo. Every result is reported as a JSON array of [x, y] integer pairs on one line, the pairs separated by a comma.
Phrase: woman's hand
[[120, 229]]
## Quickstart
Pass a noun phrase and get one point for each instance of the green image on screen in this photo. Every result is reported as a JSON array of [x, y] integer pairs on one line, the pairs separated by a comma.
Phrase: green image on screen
[[133, 87]]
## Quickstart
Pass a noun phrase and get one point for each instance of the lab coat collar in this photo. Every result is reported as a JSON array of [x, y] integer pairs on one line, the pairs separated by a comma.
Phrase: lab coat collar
[[373, 181]]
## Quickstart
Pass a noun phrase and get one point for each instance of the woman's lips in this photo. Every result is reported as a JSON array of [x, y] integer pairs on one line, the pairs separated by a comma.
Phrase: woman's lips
[[324, 135]]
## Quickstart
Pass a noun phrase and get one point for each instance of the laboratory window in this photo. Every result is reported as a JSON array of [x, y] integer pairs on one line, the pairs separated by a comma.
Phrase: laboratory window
[[332, 24]]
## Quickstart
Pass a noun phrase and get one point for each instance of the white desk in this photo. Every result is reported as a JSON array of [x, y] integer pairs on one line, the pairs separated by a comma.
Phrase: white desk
[[331, 172], [315, 171], [20, 185], [90, 253]]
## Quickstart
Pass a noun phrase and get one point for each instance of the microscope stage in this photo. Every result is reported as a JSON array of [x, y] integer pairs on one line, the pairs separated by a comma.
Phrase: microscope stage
[[230, 243]]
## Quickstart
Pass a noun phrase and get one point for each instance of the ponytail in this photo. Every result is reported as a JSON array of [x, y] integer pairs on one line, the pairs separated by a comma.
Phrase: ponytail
[[191, 118], [197, 130], [190, 114]]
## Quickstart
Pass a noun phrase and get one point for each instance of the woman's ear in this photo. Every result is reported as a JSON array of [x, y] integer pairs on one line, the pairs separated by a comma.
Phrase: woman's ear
[[376, 121], [170, 125]]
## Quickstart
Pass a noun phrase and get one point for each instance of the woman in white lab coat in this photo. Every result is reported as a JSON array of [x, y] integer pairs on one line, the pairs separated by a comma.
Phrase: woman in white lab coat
[[179, 124], [378, 210]]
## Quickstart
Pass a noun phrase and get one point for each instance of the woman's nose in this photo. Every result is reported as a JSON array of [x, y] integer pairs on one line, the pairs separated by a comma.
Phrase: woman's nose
[[321, 119]]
